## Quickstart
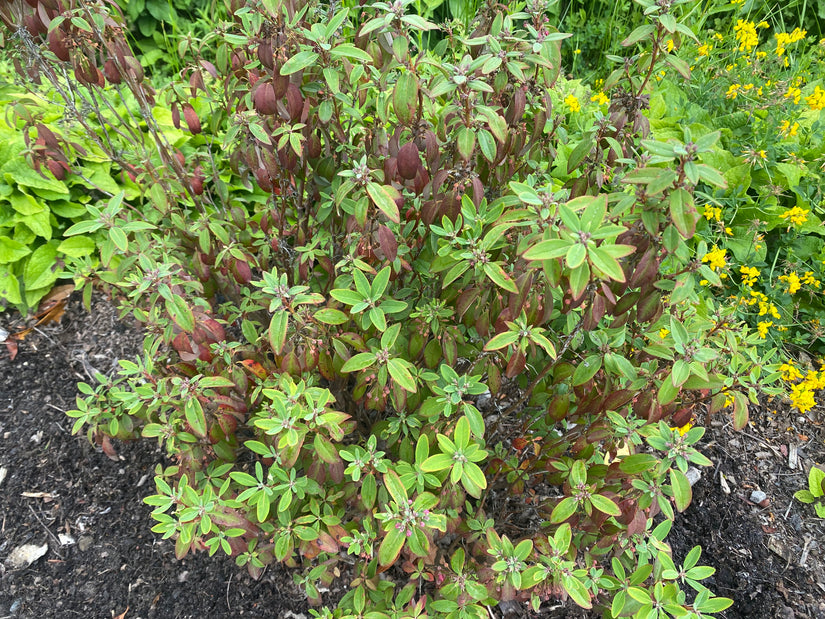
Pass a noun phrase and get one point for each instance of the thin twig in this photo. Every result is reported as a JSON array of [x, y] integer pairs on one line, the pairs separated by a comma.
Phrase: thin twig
[[228, 582], [52, 535]]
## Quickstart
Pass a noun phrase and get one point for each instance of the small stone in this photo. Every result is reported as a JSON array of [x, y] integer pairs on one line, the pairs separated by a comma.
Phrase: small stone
[[85, 542], [25, 555], [693, 475], [757, 496]]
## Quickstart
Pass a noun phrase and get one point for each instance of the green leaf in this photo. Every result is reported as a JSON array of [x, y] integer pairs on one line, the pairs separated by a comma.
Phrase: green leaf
[[638, 463], [587, 369], [379, 284], [502, 340], [215, 382], [576, 590], [83, 227], [438, 462], [401, 375], [605, 505], [119, 238], [576, 255], [383, 197], [194, 416], [499, 277], [682, 493], [683, 213], [565, 509], [607, 264], [740, 410], [348, 50], [391, 545], [396, 489], [359, 362], [473, 473], [549, 249], [77, 247], [299, 61], [277, 330], [579, 279], [181, 313], [345, 295], [466, 142], [41, 269], [487, 144], [330, 316], [11, 250]]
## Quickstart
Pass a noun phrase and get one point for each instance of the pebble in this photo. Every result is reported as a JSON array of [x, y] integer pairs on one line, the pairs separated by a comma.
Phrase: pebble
[[757, 496], [85, 542], [693, 475]]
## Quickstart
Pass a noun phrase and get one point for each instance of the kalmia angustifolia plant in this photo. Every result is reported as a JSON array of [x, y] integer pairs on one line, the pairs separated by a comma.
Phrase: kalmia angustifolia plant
[[386, 290]]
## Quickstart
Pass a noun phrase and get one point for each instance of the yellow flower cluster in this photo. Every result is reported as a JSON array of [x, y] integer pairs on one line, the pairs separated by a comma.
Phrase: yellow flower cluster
[[793, 282], [764, 306], [809, 280], [789, 371], [715, 258], [572, 102], [783, 39], [797, 215], [713, 213], [733, 91], [745, 32], [788, 130], [793, 93], [762, 327], [816, 101], [704, 49], [749, 275], [802, 394], [600, 98]]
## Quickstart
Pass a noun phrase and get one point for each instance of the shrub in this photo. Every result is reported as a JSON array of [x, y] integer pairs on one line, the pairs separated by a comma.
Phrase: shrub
[[439, 311]]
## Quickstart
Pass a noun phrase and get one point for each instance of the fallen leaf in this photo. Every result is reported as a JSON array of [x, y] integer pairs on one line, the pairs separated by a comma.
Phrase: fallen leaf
[[11, 346], [25, 555], [122, 615]]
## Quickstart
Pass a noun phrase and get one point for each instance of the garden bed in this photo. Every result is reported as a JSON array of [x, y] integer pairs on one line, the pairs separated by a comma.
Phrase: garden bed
[[101, 558]]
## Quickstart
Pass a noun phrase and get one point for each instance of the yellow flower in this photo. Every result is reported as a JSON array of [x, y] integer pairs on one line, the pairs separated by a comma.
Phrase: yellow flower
[[728, 399], [802, 397], [793, 93], [684, 429], [786, 130], [749, 275], [789, 371], [663, 332], [797, 215], [600, 98], [715, 258], [733, 91], [577, 51], [713, 213], [793, 282], [816, 101], [809, 280], [745, 32], [762, 327], [763, 24], [705, 49], [572, 102]]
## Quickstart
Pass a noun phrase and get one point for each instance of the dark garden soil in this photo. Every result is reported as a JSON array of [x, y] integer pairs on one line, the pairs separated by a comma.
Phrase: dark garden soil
[[101, 560]]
